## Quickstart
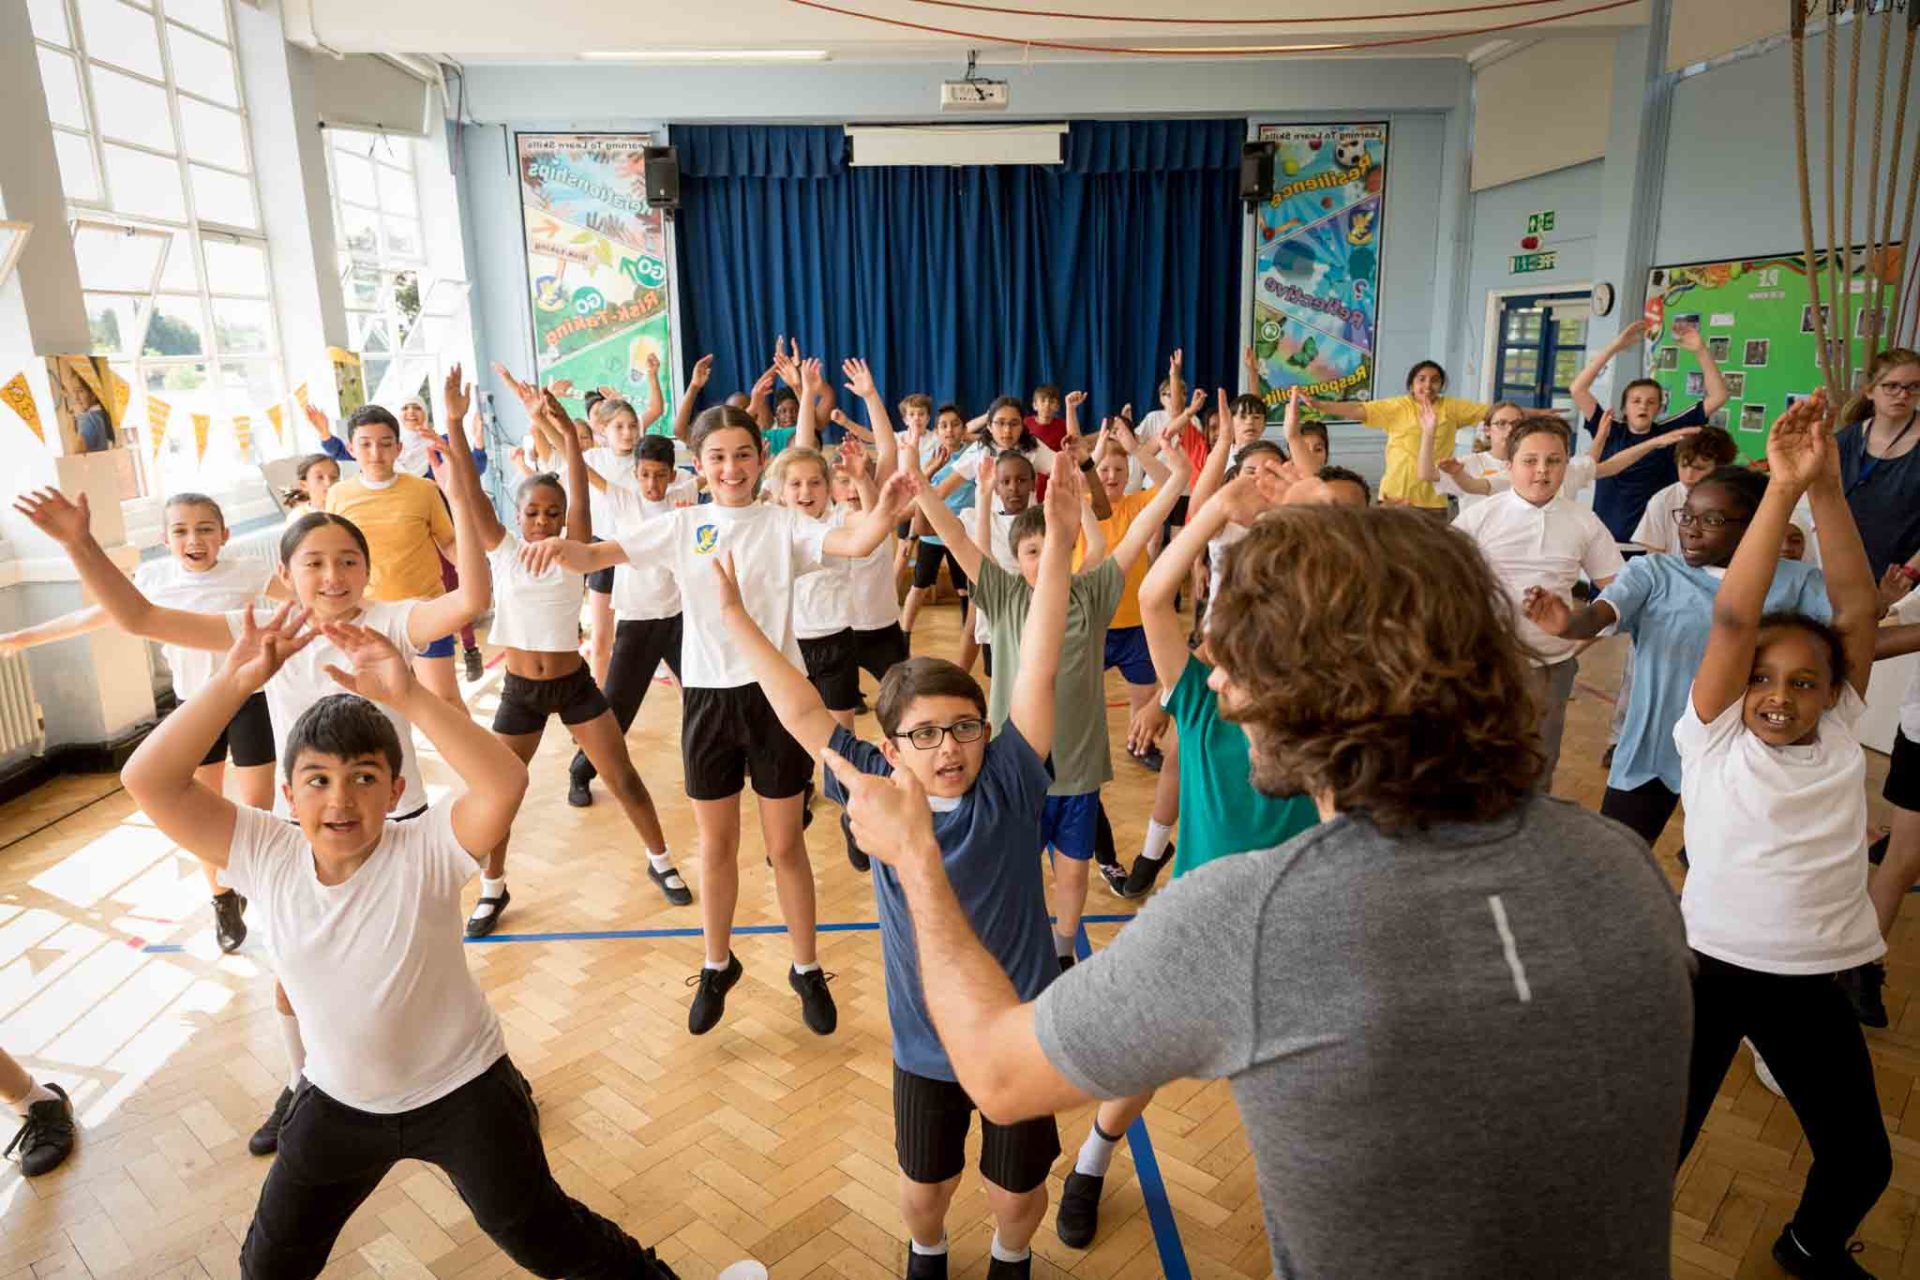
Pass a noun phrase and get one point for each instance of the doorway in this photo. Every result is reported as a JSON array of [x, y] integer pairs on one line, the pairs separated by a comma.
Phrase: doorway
[[1542, 347]]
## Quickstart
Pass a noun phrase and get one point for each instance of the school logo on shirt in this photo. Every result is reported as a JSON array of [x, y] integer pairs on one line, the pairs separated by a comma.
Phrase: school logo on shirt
[[705, 538]]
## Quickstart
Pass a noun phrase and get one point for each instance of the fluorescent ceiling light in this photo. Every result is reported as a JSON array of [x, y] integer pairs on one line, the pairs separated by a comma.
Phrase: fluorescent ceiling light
[[706, 55]]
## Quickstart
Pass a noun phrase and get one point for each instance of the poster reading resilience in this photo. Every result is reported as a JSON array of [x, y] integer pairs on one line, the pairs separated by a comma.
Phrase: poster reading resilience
[[597, 263], [1316, 282], [1758, 326]]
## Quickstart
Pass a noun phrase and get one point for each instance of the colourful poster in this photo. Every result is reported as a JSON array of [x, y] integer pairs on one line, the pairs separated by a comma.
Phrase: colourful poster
[[597, 264], [1757, 322], [1317, 261]]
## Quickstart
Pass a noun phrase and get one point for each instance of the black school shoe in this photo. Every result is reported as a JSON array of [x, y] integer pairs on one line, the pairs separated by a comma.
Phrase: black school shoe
[[1796, 1261], [1115, 877], [856, 859], [579, 792], [1145, 871], [1152, 759], [266, 1139], [476, 666], [229, 926], [816, 1002], [1021, 1270], [672, 887], [45, 1139], [925, 1266], [1078, 1220], [710, 1001], [1862, 986], [486, 915]]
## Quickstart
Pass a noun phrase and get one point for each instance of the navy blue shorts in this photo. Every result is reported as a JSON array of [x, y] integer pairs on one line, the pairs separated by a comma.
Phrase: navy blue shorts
[[1067, 824], [441, 648], [1127, 650]]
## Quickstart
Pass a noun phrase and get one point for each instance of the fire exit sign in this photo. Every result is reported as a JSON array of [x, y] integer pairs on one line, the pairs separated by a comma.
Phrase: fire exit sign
[[1540, 223], [1521, 264]]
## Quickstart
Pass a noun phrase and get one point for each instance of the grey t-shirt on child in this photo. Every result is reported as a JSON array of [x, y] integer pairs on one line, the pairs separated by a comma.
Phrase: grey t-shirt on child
[[1457, 1053]]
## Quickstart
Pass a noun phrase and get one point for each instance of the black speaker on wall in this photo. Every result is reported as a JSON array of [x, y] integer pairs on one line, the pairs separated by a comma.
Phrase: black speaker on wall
[[663, 178], [1256, 172]]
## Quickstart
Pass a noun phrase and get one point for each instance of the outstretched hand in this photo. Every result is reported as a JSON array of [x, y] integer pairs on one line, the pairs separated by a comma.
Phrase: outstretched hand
[[727, 579], [259, 651], [1800, 443], [859, 376], [54, 514], [319, 421], [1546, 610], [1065, 489], [456, 395], [890, 816], [526, 393], [702, 370], [380, 671]]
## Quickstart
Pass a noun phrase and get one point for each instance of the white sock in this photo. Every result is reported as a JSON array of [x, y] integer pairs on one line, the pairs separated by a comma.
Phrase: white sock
[[717, 964], [492, 888], [929, 1250], [1062, 943], [1159, 836], [1005, 1254], [40, 1093], [296, 1048], [662, 861], [805, 968], [1096, 1153]]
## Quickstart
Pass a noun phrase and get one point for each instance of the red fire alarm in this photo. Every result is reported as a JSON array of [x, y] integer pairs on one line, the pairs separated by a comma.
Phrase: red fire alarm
[[1529, 243]]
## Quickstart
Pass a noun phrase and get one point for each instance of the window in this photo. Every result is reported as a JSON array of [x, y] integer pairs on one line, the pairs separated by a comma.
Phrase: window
[[150, 130], [376, 221]]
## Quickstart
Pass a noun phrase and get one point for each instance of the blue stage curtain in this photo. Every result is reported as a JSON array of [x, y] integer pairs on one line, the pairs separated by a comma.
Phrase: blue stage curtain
[[967, 283]]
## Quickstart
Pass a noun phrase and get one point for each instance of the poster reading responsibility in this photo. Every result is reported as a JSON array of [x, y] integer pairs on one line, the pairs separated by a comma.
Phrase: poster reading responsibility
[[596, 263], [1317, 262]]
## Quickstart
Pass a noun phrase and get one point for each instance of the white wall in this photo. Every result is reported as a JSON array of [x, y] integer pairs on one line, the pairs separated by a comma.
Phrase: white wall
[[1543, 108]]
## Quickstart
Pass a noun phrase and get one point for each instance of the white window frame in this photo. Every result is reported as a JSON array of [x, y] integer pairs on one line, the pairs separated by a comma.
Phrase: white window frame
[[383, 260]]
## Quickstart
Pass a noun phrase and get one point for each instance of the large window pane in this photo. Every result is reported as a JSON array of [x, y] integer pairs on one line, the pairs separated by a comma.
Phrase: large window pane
[[121, 34], [236, 268], [209, 16], [396, 190], [177, 328], [403, 237], [361, 285], [113, 321], [202, 67], [77, 176], [50, 21], [241, 327], [353, 178], [120, 259], [223, 197], [181, 273], [145, 185], [359, 232], [131, 110], [214, 134], [60, 79]]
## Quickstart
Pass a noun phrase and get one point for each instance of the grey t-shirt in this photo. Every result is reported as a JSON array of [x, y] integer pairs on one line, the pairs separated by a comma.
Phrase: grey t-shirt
[[1461, 1053]]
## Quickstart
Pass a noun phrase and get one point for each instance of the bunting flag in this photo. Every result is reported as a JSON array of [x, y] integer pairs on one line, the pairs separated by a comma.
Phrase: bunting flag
[[19, 398], [119, 393], [158, 414], [243, 436], [300, 396], [201, 425], [276, 414]]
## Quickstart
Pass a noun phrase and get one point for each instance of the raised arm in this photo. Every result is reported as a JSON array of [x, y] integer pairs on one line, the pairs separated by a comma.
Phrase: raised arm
[[67, 524], [1179, 470], [457, 460], [945, 525], [656, 395], [1582, 388], [1176, 367], [1032, 706], [447, 613], [64, 627], [1250, 361], [1627, 457], [796, 703], [1210, 475], [1166, 633], [696, 383], [857, 539], [1345, 410], [1429, 424], [806, 433], [1843, 560], [1716, 382]]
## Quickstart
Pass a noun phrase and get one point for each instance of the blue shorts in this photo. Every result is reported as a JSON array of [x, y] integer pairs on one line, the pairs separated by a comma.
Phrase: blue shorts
[[441, 648], [1127, 650], [1067, 825]]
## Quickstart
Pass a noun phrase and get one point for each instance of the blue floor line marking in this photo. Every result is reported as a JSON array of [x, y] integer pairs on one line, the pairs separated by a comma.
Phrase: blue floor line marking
[[1146, 1165], [624, 935]]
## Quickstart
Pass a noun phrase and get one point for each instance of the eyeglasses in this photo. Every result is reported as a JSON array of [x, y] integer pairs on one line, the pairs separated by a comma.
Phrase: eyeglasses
[[1900, 388], [928, 736], [1711, 520]]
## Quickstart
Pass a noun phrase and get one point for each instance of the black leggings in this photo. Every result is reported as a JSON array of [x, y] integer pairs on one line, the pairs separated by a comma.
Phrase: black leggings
[[638, 649], [485, 1134], [1807, 1033], [1646, 808]]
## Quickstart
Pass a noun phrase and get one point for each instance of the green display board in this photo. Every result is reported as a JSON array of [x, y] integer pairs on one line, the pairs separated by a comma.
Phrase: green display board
[[1758, 323]]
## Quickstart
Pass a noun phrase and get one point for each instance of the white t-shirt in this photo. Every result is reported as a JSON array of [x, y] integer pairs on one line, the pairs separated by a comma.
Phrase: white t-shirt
[[1581, 472], [1217, 558], [771, 547], [222, 588], [1000, 534], [536, 612], [1656, 528], [644, 593], [1906, 612], [1776, 844], [876, 593], [414, 458], [303, 681], [617, 469], [1546, 546], [1481, 465], [967, 465], [391, 1017], [823, 601]]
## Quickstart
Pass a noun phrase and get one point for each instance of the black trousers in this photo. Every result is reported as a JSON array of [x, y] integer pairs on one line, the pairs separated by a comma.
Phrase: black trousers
[[484, 1135], [1646, 808], [1806, 1031], [639, 647]]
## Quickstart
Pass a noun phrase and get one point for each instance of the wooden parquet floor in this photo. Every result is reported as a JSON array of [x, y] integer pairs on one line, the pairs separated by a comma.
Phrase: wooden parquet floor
[[758, 1140]]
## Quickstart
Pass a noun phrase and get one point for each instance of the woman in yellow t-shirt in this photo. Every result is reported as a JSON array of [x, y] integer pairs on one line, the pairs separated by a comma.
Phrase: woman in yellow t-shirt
[[1402, 418]]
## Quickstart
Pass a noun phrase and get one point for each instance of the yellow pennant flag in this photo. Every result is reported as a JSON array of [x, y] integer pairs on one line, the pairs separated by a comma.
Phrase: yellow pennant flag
[[201, 425], [19, 398], [300, 396], [158, 414], [276, 415], [121, 394], [243, 435]]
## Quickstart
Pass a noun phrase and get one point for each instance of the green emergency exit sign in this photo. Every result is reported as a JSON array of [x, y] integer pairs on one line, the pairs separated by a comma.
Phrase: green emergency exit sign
[[1538, 224]]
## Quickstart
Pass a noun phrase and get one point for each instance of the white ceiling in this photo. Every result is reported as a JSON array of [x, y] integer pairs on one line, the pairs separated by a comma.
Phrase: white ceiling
[[560, 30]]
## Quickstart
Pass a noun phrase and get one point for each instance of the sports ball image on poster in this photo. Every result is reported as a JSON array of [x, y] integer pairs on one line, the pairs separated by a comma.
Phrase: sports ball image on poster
[[1756, 311], [596, 263], [1317, 262]]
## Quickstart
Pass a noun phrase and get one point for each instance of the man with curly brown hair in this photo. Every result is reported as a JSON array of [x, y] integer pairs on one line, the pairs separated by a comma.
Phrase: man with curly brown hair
[[1454, 997]]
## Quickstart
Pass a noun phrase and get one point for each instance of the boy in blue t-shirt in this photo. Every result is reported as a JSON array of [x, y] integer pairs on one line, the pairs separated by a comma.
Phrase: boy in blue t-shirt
[[988, 798]]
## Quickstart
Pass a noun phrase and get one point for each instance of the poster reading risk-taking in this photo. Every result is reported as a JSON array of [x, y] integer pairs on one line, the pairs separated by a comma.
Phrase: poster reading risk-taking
[[1758, 326], [597, 263], [1316, 282]]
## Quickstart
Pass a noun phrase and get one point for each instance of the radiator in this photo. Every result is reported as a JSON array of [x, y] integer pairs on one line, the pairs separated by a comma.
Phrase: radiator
[[21, 731]]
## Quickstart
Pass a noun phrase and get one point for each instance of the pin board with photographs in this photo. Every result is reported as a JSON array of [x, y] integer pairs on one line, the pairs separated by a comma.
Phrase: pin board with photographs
[[1758, 325]]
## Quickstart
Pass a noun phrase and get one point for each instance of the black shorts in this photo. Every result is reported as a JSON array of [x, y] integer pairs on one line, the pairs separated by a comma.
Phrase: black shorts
[[930, 1121], [1902, 790], [833, 666], [526, 704], [248, 737], [926, 567], [729, 735], [1175, 518], [986, 659], [600, 580], [875, 652]]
